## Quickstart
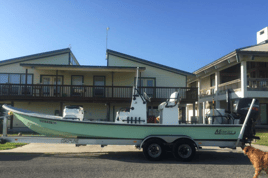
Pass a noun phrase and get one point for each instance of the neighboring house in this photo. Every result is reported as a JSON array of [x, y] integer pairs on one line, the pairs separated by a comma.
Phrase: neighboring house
[[244, 72], [47, 82]]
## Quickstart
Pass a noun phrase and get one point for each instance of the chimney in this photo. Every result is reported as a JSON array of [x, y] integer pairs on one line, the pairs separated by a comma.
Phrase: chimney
[[262, 36]]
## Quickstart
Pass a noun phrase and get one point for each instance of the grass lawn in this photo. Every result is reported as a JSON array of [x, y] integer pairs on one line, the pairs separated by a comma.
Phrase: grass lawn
[[263, 134], [8, 146]]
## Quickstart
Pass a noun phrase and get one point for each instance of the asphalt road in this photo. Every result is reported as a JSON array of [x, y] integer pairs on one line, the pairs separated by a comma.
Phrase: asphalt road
[[206, 164]]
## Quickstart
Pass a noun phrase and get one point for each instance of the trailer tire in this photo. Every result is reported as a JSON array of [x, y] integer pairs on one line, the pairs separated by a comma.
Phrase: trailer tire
[[184, 150], [153, 150]]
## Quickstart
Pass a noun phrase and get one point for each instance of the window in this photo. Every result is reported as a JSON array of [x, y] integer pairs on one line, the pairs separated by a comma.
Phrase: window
[[3, 78], [146, 84], [15, 78], [29, 79], [72, 61], [212, 80], [77, 80]]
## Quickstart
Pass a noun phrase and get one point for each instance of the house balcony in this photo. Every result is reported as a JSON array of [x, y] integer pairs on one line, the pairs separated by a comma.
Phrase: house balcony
[[257, 84], [233, 86], [87, 93], [206, 92]]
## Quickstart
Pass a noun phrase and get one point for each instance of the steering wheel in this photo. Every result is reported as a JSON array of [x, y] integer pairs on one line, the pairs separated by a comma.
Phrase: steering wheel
[[146, 97]]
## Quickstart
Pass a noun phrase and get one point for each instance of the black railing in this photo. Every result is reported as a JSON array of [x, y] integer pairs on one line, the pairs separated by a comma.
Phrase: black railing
[[87, 91]]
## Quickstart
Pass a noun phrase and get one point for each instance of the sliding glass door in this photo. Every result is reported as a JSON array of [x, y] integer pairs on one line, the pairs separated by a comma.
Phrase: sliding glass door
[[99, 81]]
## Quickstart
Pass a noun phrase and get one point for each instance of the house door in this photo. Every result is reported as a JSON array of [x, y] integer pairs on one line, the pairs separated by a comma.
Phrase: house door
[[46, 88], [263, 113], [49, 82], [77, 82], [59, 83], [99, 81]]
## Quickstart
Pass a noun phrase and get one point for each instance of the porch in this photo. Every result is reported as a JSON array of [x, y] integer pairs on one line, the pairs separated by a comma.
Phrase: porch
[[90, 93]]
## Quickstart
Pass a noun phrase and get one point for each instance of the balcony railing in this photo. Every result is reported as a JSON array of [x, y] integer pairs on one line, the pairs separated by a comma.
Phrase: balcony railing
[[35, 91], [207, 91], [257, 84], [234, 85]]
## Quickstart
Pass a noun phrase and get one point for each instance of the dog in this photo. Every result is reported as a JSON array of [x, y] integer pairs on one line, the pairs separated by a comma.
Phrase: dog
[[258, 158]]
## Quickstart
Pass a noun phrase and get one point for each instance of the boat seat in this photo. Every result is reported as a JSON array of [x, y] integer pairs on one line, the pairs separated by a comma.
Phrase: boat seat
[[171, 102]]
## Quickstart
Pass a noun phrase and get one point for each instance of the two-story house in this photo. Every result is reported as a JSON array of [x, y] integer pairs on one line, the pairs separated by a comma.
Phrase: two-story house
[[47, 82], [243, 73]]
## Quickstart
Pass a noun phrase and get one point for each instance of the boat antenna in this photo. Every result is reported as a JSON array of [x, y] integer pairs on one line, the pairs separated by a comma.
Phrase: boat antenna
[[137, 78]]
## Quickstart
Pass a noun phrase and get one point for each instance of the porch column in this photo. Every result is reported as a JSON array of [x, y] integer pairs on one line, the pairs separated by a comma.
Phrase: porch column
[[56, 83], [198, 85], [194, 109], [26, 76], [107, 111], [204, 112], [112, 84], [244, 79], [61, 108], [140, 81], [217, 82], [200, 112]]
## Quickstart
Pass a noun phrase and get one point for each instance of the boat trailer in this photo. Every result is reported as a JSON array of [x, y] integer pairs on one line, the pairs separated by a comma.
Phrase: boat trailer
[[154, 146]]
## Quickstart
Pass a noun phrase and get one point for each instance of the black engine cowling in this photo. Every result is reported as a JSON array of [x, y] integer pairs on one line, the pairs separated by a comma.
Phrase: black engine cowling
[[240, 109]]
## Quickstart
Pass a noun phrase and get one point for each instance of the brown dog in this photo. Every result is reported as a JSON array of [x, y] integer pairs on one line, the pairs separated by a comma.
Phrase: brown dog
[[258, 158]]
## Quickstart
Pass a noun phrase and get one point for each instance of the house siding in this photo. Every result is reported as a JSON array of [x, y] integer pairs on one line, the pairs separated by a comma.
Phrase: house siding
[[62, 59], [163, 78], [205, 83], [16, 68]]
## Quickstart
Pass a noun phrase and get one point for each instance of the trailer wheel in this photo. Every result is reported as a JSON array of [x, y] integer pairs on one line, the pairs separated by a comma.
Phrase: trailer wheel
[[184, 150], [153, 150]]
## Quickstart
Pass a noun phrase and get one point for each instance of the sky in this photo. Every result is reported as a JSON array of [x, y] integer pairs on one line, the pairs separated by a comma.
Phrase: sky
[[182, 34]]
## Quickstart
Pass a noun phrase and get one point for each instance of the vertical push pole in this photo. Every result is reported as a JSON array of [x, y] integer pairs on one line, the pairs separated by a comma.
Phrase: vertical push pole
[[245, 123], [137, 78], [5, 126]]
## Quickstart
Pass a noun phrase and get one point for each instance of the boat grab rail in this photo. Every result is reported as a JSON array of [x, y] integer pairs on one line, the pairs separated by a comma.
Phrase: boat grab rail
[[142, 97]]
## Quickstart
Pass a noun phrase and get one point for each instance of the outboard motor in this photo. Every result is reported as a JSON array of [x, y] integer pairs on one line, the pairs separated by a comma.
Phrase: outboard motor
[[240, 109]]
